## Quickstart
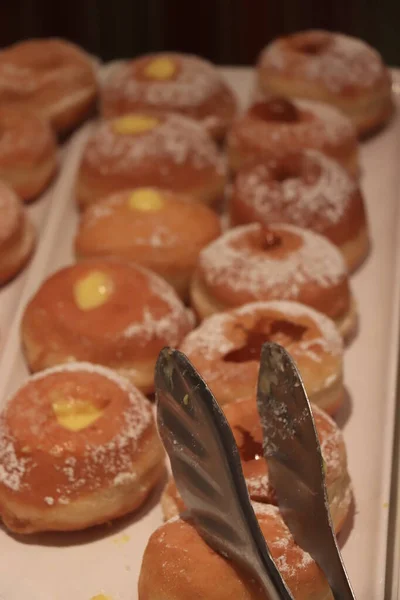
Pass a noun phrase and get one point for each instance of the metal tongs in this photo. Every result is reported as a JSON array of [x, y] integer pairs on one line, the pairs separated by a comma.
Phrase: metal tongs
[[207, 469]]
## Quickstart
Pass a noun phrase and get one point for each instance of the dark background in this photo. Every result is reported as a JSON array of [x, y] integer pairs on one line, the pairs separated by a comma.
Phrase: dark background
[[225, 31]]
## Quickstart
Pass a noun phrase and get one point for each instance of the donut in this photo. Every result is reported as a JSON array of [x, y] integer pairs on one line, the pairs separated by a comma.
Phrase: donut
[[309, 190], [104, 312], [226, 349], [50, 77], [158, 229], [78, 447], [178, 564], [276, 127], [244, 421], [282, 262], [329, 67], [150, 149], [17, 234], [170, 82], [28, 152]]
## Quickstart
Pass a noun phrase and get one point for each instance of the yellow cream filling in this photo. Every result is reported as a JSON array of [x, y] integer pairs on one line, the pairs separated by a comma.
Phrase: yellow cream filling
[[134, 124], [161, 68], [93, 290], [145, 199], [75, 415]]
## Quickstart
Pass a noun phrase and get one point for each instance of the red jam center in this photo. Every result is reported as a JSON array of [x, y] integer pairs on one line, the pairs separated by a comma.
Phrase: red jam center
[[275, 109]]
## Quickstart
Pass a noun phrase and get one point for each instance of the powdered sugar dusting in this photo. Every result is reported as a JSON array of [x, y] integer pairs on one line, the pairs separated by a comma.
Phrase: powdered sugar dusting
[[343, 61], [195, 81], [318, 203], [178, 139], [114, 456], [245, 270]]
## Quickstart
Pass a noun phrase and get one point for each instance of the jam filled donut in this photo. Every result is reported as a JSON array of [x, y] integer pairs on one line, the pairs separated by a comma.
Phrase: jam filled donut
[[244, 421], [332, 68], [309, 190], [276, 127], [52, 78], [103, 312], [28, 158], [171, 82], [78, 447], [178, 565], [226, 349], [151, 149], [17, 234], [158, 229], [283, 262]]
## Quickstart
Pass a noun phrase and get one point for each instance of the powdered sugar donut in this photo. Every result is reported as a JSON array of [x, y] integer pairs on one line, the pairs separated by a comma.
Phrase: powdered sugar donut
[[275, 128], [78, 447], [17, 234], [28, 157], [244, 421], [309, 190], [178, 564], [172, 82], [51, 78], [104, 312], [226, 349], [150, 149], [282, 262], [158, 229], [329, 67]]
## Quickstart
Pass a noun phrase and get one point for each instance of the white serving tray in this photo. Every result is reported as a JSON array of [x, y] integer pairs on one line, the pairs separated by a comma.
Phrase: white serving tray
[[107, 560]]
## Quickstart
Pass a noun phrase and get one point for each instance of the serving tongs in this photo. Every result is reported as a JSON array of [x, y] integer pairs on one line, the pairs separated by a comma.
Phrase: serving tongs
[[206, 465]]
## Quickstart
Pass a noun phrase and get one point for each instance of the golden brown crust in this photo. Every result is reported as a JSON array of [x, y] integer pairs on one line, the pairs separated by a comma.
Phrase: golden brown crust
[[274, 128], [226, 347], [332, 68], [28, 157], [308, 190], [126, 332], [244, 420], [251, 263], [178, 565], [173, 153], [155, 228], [50, 77], [190, 86], [55, 478], [17, 234]]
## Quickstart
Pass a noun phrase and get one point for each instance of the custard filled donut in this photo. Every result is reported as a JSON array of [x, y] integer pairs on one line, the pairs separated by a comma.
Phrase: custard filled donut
[[309, 190], [149, 149], [276, 127], [104, 312], [28, 158], [226, 349], [78, 447], [171, 82], [282, 262], [158, 229], [332, 68], [244, 421], [178, 565], [17, 234], [50, 77]]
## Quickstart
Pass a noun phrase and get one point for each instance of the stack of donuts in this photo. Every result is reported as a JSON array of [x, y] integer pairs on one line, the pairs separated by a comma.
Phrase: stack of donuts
[[201, 228]]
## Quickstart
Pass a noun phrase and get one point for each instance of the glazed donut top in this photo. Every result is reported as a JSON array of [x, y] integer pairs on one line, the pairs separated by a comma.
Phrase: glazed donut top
[[191, 569], [244, 420], [269, 263], [11, 214], [341, 64], [49, 421], [25, 137], [305, 332], [166, 81], [108, 303], [147, 137], [41, 70], [307, 189], [283, 125]]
